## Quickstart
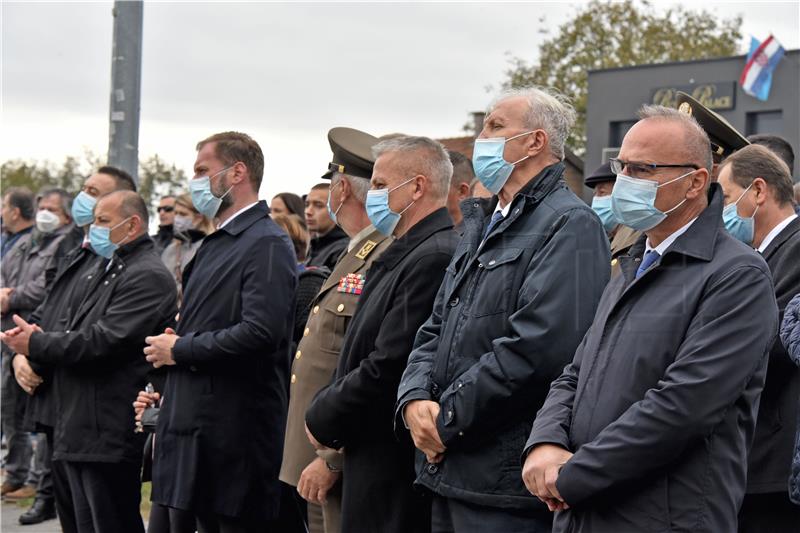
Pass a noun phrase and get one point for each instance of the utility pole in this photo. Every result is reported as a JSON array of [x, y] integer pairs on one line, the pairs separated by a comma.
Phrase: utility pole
[[126, 83]]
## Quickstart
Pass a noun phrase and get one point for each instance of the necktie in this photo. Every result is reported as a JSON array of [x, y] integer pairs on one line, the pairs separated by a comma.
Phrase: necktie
[[647, 261], [496, 218]]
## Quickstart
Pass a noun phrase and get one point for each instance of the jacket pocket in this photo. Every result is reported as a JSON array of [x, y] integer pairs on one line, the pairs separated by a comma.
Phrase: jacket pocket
[[336, 319], [496, 270]]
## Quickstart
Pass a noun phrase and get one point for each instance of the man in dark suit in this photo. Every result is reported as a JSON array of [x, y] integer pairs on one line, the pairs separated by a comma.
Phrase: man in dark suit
[[97, 364], [648, 428], [759, 211], [410, 182], [219, 438]]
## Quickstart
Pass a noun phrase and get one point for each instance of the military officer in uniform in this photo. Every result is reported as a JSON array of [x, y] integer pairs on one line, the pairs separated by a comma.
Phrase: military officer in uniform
[[316, 476], [724, 141]]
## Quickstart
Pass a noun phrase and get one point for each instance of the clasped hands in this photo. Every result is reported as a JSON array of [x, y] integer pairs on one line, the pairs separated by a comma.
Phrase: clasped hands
[[540, 473], [159, 348], [18, 340], [420, 418]]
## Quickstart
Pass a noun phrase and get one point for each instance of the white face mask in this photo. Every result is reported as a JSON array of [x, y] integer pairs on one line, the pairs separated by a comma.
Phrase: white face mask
[[47, 221], [182, 223]]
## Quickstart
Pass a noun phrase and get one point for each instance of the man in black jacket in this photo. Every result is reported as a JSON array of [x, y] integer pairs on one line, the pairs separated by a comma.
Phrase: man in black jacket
[[759, 212], [97, 364], [219, 438], [410, 182], [66, 279], [328, 241], [530, 268], [648, 428]]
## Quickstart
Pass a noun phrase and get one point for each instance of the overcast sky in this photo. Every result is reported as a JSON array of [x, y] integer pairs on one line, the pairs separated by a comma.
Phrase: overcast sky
[[284, 73]]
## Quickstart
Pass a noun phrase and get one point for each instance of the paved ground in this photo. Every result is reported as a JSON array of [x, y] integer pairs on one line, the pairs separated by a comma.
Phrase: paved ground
[[9, 512]]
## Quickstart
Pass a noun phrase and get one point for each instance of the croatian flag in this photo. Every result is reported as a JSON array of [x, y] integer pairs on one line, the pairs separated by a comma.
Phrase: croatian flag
[[756, 77]]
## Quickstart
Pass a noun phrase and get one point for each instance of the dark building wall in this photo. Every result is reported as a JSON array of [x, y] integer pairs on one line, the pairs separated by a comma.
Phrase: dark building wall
[[616, 94]]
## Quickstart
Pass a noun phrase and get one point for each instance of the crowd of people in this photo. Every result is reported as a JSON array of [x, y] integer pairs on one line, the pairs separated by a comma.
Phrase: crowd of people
[[422, 342]]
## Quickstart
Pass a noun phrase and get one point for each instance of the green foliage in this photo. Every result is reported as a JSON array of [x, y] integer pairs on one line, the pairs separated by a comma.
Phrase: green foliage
[[620, 34], [156, 177]]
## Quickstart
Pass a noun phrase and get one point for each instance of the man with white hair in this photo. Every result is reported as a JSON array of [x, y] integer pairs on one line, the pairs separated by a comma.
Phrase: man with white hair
[[517, 298], [648, 428], [410, 182]]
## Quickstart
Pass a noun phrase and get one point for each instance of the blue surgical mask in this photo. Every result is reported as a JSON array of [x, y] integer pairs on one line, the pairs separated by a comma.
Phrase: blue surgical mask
[[742, 228], [331, 212], [602, 206], [202, 197], [83, 209], [491, 168], [100, 239], [633, 202], [379, 212]]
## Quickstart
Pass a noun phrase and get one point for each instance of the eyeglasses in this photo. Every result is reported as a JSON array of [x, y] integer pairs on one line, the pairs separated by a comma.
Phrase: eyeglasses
[[642, 169], [165, 208]]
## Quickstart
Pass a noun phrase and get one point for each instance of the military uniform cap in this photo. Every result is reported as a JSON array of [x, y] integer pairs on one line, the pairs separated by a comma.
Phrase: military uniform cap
[[601, 174], [352, 153], [724, 138]]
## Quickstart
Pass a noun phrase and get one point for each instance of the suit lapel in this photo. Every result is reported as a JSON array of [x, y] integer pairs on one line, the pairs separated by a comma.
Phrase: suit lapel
[[782, 237]]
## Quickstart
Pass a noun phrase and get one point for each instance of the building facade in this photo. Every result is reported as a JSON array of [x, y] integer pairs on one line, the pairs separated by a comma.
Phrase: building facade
[[616, 94]]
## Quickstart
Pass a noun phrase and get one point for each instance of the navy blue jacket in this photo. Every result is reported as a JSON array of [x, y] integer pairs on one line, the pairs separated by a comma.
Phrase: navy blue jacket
[[219, 439], [507, 319]]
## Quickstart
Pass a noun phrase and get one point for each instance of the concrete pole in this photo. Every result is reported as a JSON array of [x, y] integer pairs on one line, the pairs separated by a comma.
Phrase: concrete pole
[[126, 83]]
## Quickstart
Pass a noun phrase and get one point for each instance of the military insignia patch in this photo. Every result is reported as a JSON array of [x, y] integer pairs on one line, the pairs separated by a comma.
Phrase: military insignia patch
[[352, 284], [366, 249]]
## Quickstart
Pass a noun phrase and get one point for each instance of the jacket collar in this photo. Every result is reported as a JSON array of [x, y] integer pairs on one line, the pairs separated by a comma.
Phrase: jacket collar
[[476, 211], [437, 221], [698, 241], [335, 234], [144, 242], [245, 219], [785, 234]]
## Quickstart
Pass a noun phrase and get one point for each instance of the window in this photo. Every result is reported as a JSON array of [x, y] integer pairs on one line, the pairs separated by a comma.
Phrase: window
[[764, 122], [617, 131]]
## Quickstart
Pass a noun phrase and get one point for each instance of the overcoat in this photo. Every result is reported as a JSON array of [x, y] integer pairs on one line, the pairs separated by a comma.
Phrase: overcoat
[[317, 353], [356, 410], [659, 403], [771, 454], [219, 437]]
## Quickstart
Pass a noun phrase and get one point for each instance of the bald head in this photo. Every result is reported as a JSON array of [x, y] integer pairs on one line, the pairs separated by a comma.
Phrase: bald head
[[692, 143], [125, 212]]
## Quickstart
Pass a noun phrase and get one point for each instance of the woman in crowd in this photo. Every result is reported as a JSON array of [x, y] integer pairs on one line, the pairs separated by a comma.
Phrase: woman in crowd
[[189, 228], [287, 203]]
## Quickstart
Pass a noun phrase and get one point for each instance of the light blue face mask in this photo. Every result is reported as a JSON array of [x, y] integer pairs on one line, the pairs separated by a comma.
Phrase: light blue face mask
[[331, 212], [202, 197], [742, 228], [490, 167], [100, 239], [602, 206], [633, 202], [83, 209], [379, 212]]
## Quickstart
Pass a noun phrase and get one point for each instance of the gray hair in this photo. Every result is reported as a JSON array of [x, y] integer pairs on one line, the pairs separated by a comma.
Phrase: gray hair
[[64, 198], [424, 156], [696, 142], [548, 110], [360, 186]]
